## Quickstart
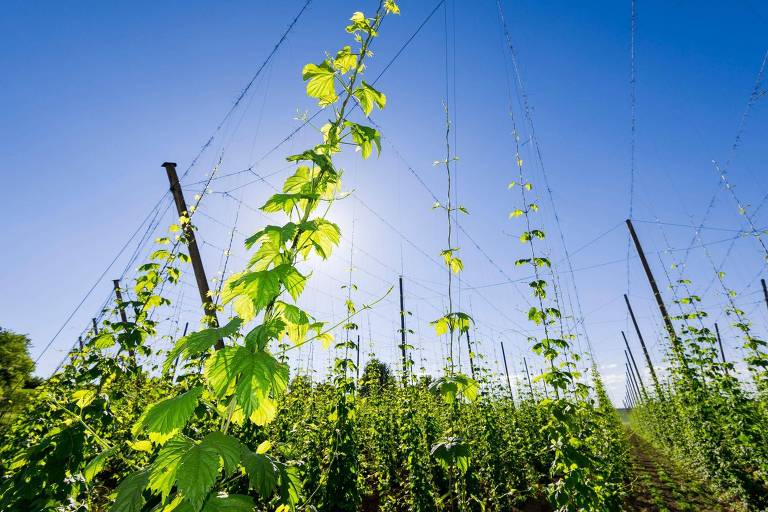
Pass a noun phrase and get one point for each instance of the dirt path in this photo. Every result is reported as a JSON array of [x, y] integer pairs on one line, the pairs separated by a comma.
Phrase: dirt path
[[662, 486]]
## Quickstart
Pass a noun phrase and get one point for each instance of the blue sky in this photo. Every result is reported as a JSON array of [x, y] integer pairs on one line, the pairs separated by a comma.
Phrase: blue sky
[[95, 96]]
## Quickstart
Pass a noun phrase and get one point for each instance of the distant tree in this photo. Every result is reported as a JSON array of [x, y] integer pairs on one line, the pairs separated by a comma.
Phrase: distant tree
[[376, 376], [15, 364]]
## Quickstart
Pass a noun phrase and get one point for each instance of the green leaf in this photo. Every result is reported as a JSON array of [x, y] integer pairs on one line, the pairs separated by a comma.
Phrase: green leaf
[[104, 340], [228, 448], [254, 377], [452, 452], [368, 97], [162, 476], [320, 235], [292, 279], [287, 202], [262, 287], [391, 7], [167, 417], [229, 503], [365, 137], [345, 60], [261, 471], [320, 82], [200, 341], [130, 492], [97, 464], [450, 387], [197, 472]]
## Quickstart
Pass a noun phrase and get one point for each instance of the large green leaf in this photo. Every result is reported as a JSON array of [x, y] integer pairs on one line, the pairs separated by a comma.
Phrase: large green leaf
[[320, 235], [292, 279], [162, 476], [97, 464], [197, 472], [255, 377], [260, 286], [130, 492], [228, 448], [368, 97], [200, 341], [320, 82], [167, 417], [262, 472], [229, 503]]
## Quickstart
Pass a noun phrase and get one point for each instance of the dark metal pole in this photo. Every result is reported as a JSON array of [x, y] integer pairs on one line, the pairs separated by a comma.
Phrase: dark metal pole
[[121, 308], [506, 370], [634, 364], [80, 342], [657, 295], [402, 331], [469, 351], [95, 327], [194, 251], [642, 344], [528, 374]]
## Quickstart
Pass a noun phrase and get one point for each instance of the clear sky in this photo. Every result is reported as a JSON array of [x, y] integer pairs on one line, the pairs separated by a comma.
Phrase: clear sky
[[94, 96]]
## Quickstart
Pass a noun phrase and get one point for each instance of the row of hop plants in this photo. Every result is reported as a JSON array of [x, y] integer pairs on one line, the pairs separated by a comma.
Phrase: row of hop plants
[[711, 414], [232, 432]]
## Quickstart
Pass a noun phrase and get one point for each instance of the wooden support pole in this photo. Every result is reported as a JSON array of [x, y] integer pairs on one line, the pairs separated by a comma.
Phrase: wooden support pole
[[469, 351], [80, 342], [95, 327], [720, 343], [765, 291], [176, 361], [642, 344], [657, 295], [357, 360], [634, 364], [630, 384], [121, 308], [506, 370], [528, 374], [194, 252], [402, 331], [640, 391]]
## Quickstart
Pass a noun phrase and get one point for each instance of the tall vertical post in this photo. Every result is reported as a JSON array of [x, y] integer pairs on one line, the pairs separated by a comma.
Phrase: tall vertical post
[[95, 327], [657, 295], [528, 374], [642, 344], [640, 390], [402, 331], [506, 370], [194, 251], [720, 343], [469, 351], [765, 291], [121, 308], [634, 364], [176, 361], [357, 359], [80, 342], [630, 383]]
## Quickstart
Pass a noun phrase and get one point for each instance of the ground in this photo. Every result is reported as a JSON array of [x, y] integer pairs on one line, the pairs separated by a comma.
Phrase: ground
[[661, 485]]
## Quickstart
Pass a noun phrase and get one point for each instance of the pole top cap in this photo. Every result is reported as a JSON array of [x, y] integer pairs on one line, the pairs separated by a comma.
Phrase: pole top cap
[[168, 164]]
